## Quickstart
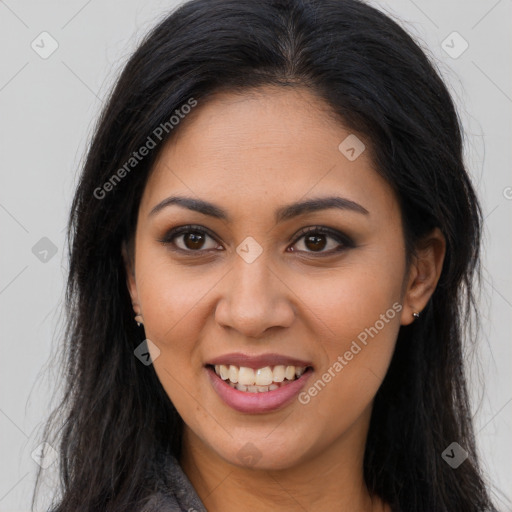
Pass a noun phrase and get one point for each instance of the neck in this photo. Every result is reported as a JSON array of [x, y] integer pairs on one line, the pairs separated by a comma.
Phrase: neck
[[331, 480]]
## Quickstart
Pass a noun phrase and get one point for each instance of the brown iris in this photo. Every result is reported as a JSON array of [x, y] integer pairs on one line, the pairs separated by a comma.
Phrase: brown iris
[[193, 240], [315, 242]]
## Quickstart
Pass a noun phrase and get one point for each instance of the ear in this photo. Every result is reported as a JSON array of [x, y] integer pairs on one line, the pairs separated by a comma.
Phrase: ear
[[424, 274], [129, 265]]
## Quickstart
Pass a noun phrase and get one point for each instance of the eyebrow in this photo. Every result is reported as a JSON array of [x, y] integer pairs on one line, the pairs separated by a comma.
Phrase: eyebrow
[[284, 213]]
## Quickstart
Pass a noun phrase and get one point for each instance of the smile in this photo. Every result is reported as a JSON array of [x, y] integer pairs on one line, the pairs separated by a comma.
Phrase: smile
[[263, 387], [259, 380]]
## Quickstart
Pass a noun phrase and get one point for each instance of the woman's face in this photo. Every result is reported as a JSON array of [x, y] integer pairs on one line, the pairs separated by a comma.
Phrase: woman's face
[[251, 290]]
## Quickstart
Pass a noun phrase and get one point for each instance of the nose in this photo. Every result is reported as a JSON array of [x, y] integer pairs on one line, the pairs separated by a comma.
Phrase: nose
[[254, 299]]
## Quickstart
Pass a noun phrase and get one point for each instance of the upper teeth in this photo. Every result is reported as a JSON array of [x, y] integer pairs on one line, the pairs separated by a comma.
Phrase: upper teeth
[[259, 377]]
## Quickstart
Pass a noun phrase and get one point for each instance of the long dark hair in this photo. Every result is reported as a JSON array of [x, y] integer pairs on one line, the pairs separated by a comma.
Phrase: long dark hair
[[116, 417]]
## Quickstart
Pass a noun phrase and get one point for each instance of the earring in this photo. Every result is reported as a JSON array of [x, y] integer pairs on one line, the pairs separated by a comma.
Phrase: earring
[[416, 315], [138, 319]]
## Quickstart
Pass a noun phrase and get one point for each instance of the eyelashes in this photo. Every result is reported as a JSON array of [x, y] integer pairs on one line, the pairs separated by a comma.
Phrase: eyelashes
[[307, 234], [184, 230], [310, 234]]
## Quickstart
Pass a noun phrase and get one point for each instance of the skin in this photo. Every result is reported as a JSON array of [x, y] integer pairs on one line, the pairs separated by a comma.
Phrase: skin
[[250, 154]]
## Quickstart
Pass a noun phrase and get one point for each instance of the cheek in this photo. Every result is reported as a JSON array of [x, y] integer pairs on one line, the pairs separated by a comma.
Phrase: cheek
[[172, 306], [173, 300], [353, 296], [356, 311], [171, 296]]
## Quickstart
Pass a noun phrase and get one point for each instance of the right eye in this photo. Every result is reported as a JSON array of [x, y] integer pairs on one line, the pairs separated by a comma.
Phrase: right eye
[[190, 239]]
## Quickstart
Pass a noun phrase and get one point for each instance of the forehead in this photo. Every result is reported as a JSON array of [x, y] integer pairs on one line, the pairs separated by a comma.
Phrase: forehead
[[274, 145]]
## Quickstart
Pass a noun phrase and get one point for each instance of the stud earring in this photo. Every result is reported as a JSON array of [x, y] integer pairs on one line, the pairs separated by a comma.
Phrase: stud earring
[[416, 315]]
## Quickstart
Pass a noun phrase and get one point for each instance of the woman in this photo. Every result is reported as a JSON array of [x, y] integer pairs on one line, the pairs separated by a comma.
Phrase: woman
[[272, 249]]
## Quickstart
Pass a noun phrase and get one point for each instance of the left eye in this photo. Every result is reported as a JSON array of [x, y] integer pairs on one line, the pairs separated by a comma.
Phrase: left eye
[[317, 239]]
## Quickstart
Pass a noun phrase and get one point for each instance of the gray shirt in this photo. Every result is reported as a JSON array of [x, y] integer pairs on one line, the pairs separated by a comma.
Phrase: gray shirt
[[174, 492]]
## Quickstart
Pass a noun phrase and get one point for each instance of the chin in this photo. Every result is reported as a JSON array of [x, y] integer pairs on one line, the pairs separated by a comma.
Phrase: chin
[[262, 454]]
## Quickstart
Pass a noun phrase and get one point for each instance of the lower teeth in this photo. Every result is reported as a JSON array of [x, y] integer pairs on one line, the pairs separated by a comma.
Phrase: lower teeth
[[257, 389]]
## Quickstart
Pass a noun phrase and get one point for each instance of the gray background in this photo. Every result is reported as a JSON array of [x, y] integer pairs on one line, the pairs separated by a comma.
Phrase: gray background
[[48, 109]]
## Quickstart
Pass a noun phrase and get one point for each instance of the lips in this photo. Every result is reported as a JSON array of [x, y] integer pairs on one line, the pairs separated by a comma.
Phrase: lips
[[257, 384]]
